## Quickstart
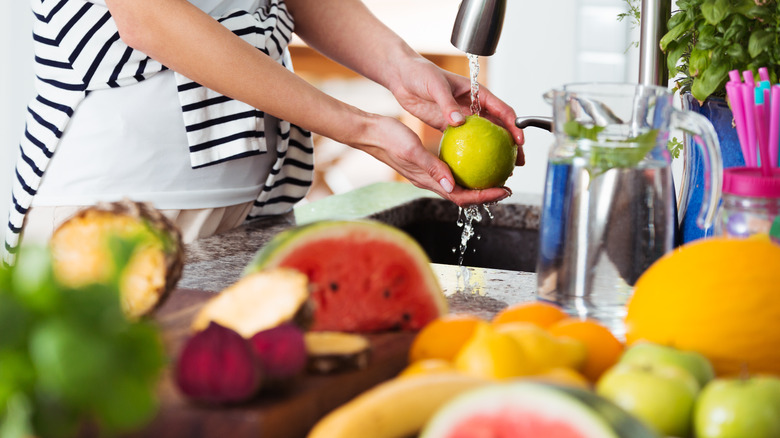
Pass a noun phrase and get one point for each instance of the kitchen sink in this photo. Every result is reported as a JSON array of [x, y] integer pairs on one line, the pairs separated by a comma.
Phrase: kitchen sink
[[508, 240]]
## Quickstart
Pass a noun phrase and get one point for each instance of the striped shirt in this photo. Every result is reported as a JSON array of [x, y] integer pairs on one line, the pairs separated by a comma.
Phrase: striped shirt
[[78, 50]]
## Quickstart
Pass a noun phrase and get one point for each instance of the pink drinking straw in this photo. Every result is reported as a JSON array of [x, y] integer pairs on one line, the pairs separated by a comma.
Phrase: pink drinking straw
[[763, 141], [763, 74], [750, 122], [774, 126], [748, 75], [734, 91], [734, 77], [765, 120]]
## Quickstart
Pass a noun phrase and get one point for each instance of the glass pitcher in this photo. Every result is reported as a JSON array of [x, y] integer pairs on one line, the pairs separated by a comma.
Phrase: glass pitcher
[[608, 209]]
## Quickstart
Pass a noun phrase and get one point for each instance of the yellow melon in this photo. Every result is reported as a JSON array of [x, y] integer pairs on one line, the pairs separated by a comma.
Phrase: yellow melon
[[720, 297]]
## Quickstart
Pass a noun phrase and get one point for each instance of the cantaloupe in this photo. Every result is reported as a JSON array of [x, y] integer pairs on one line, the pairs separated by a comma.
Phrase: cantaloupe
[[719, 297]]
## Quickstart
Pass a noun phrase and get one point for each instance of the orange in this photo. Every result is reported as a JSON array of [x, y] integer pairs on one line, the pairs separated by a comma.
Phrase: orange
[[538, 312], [719, 297], [603, 348], [443, 337]]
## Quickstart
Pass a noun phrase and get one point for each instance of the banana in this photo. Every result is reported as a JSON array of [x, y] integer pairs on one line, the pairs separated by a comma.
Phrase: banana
[[396, 408]]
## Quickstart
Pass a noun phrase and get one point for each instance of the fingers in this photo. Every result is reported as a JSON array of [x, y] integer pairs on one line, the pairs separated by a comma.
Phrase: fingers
[[442, 93], [504, 113], [440, 173], [520, 161], [464, 197]]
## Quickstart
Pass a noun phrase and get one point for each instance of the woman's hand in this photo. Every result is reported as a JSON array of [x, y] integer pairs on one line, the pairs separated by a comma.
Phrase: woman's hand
[[441, 98], [393, 143]]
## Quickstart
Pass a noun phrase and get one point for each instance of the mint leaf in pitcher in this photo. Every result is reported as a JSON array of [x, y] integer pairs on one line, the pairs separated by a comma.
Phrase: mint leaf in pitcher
[[609, 157], [578, 131]]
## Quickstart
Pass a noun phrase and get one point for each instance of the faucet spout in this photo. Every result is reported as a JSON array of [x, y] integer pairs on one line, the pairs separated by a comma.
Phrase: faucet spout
[[478, 26]]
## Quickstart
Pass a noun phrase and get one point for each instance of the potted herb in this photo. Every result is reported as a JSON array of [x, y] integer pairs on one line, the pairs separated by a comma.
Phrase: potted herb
[[708, 38]]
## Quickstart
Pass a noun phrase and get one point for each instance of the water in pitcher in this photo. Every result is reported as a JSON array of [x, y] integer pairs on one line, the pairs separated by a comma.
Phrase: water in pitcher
[[600, 229]]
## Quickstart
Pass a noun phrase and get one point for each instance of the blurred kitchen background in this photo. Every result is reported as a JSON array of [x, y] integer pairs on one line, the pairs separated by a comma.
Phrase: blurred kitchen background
[[544, 44]]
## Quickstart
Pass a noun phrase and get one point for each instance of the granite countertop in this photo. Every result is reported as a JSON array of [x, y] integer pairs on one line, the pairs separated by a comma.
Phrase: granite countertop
[[215, 262]]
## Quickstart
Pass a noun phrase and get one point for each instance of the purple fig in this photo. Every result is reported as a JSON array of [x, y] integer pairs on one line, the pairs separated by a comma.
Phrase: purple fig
[[282, 352], [217, 365]]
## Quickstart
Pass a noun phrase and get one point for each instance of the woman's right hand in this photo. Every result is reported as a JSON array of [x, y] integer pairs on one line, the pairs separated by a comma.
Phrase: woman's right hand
[[393, 143]]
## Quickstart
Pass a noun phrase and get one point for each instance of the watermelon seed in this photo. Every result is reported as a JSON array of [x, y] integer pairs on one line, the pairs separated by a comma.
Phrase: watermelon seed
[[407, 317], [334, 287], [386, 293]]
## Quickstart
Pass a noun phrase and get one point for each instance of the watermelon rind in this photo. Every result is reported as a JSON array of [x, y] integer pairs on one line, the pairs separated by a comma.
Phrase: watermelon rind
[[287, 242], [591, 415]]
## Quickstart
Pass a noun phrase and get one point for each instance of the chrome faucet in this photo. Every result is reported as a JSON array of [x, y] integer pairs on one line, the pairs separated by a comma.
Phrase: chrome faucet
[[478, 26]]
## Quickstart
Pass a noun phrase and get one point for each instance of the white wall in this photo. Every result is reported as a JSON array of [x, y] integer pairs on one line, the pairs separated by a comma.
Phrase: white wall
[[15, 90]]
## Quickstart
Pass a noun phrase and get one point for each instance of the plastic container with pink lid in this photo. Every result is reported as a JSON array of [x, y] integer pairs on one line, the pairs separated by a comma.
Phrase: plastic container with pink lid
[[751, 203]]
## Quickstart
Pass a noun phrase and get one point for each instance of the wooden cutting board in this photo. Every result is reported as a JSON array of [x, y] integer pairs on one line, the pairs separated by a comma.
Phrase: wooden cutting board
[[288, 415]]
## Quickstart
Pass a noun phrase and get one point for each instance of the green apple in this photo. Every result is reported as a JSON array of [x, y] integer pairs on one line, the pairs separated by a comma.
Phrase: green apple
[[661, 396], [650, 354], [739, 407]]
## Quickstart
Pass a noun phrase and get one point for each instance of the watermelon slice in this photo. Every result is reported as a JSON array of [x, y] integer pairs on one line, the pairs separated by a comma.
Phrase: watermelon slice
[[533, 409], [365, 276]]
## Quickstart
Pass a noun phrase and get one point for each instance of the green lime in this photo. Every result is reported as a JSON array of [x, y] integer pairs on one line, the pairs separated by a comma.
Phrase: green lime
[[480, 153]]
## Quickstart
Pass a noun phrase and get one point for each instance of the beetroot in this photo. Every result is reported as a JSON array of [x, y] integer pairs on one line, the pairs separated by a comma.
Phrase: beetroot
[[217, 365], [282, 353]]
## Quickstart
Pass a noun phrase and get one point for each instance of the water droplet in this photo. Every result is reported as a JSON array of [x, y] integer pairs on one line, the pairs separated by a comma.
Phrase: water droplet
[[487, 210]]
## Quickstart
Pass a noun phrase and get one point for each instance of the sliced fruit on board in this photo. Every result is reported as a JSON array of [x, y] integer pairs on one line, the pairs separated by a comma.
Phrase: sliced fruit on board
[[396, 408], [332, 352], [532, 409], [366, 276], [257, 302], [81, 251]]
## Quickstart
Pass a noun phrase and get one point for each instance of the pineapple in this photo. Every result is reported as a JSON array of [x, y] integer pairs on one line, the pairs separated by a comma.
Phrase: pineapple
[[81, 253]]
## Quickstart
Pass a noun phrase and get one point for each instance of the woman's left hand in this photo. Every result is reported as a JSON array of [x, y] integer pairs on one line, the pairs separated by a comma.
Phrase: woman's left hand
[[441, 98]]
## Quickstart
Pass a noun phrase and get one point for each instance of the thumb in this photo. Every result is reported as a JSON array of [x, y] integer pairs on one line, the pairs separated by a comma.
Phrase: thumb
[[449, 106], [440, 172]]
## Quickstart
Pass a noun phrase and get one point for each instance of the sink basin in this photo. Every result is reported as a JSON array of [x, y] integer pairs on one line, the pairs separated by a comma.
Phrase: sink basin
[[508, 240], [490, 247]]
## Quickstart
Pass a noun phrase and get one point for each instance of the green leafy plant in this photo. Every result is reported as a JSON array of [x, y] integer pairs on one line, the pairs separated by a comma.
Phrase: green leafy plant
[[70, 357], [708, 38]]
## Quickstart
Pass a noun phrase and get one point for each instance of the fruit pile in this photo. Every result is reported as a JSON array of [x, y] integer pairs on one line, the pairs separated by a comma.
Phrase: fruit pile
[[530, 339], [534, 371]]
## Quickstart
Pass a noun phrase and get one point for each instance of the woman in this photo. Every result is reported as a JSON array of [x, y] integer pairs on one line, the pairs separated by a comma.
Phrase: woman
[[192, 105]]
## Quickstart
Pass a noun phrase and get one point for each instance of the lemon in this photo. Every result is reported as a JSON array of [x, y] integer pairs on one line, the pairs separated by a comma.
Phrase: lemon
[[480, 153], [563, 376], [544, 350], [427, 366], [493, 355]]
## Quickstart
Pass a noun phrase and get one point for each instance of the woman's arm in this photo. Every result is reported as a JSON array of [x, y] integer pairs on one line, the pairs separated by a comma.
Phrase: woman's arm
[[347, 32], [197, 46], [187, 40]]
